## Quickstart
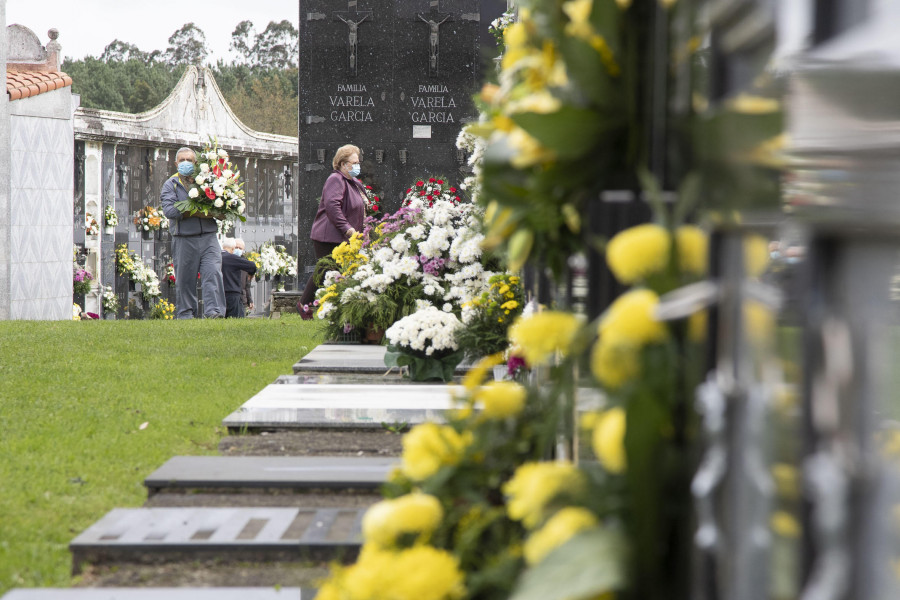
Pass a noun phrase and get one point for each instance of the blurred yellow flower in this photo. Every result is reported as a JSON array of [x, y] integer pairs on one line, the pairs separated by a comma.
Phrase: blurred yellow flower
[[529, 151], [623, 4], [387, 520], [756, 255], [784, 524], [754, 105], [534, 485], [787, 480], [631, 320], [696, 326], [419, 573], [579, 13], [692, 244], [541, 335], [476, 374], [613, 364], [759, 323], [608, 440], [541, 102], [428, 447], [558, 530], [501, 399], [637, 252]]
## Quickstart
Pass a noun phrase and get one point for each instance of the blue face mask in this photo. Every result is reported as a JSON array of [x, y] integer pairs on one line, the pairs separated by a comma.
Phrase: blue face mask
[[238, 252], [354, 171], [186, 168]]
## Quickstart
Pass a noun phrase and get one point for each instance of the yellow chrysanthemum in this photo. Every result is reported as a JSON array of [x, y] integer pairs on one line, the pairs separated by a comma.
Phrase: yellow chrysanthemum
[[759, 323], [479, 370], [414, 513], [787, 480], [425, 573], [533, 485], [501, 399], [637, 252], [579, 13], [428, 447], [614, 364], [541, 102], [630, 319], [608, 440], [693, 249], [784, 524], [558, 530], [529, 151], [696, 326], [756, 255], [539, 336]]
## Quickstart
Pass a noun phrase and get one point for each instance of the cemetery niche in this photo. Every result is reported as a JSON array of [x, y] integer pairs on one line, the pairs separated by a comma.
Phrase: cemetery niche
[[395, 79]]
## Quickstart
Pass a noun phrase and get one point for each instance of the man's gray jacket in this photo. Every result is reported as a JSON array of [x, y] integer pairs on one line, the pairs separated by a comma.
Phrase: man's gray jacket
[[173, 191]]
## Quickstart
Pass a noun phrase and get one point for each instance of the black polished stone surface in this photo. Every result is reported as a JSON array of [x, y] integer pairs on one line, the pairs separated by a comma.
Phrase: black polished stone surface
[[394, 77]]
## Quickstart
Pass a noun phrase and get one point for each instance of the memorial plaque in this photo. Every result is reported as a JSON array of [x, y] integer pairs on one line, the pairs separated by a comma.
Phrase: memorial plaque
[[394, 77]]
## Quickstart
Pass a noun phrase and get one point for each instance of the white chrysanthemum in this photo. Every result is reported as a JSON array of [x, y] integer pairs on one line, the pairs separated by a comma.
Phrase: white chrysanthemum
[[400, 244], [222, 153], [416, 232], [330, 278], [383, 256], [427, 331]]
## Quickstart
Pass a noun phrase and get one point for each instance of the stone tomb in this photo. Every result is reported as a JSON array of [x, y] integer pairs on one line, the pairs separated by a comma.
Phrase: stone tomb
[[150, 534], [175, 593], [395, 78], [289, 472], [298, 406]]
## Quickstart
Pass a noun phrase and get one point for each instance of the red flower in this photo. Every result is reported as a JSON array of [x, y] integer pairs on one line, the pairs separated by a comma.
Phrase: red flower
[[422, 193], [376, 199], [453, 190], [420, 183], [456, 198], [431, 204], [210, 194], [431, 180], [221, 161], [375, 207], [430, 197], [409, 190], [440, 181], [368, 187], [217, 171]]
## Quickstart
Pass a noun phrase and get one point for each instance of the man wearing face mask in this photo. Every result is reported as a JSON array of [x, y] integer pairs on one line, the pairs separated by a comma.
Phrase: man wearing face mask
[[195, 248], [341, 214], [233, 265]]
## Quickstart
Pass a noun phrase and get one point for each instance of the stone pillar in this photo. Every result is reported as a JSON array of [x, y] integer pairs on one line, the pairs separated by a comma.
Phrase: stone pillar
[[5, 212]]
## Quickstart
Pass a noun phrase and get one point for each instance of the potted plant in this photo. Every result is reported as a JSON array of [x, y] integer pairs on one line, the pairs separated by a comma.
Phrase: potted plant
[[81, 281], [91, 227], [425, 342], [149, 220], [487, 319], [109, 302]]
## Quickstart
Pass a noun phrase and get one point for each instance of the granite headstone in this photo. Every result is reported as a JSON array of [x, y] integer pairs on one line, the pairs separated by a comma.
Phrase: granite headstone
[[394, 77]]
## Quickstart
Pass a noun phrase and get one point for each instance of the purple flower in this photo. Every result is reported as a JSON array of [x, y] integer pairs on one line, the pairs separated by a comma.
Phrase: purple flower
[[514, 364], [348, 327], [92, 315]]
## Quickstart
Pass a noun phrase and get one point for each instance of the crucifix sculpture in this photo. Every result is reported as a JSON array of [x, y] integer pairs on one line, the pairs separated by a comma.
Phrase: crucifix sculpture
[[352, 39], [434, 38]]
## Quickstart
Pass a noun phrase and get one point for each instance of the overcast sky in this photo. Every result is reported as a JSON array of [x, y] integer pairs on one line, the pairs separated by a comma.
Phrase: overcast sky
[[87, 26]]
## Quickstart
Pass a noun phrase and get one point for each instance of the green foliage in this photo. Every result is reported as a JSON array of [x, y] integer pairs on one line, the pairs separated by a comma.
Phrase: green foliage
[[430, 368], [73, 396], [131, 86]]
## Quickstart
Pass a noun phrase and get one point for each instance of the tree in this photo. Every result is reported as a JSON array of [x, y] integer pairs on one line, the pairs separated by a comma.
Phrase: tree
[[241, 40], [187, 46], [278, 46], [120, 51]]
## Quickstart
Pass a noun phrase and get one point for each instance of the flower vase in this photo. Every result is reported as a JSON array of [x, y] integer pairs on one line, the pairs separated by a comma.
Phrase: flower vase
[[500, 372], [145, 234], [267, 277], [372, 335], [109, 230]]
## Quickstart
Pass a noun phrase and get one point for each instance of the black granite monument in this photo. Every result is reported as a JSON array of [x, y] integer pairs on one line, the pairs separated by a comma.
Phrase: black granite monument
[[394, 77]]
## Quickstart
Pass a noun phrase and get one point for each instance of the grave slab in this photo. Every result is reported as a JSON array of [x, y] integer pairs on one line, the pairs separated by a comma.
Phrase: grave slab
[[343, 406], [359, 359], [214, 472], [151, 534], [176, 593], [354, 406]]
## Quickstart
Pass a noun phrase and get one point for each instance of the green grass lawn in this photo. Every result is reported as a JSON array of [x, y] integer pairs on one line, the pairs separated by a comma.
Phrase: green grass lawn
[[73, 398]]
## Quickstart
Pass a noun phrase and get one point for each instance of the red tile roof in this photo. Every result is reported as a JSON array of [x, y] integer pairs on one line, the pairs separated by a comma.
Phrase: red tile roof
[[22, 84]]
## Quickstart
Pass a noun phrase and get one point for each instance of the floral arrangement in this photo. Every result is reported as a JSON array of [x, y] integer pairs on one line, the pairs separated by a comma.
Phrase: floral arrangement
[[109, 301], [430, 191], [498, 26], [217, 190], [81, 281], [91, 227], [110, 218], [373, 202], [162, 309], [150, 219], [425, 341], [487, 317], [76, 312], [256, 259], [130, 265], [428, 253], [274, 260], [169, 277]]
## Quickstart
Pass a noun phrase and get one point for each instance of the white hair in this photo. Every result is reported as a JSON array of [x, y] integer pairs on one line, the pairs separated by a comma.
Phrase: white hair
[[228, 243], [236, 240]]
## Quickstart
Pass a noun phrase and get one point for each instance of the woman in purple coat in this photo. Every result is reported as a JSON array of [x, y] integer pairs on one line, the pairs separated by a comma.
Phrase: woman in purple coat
[[341, 213]]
